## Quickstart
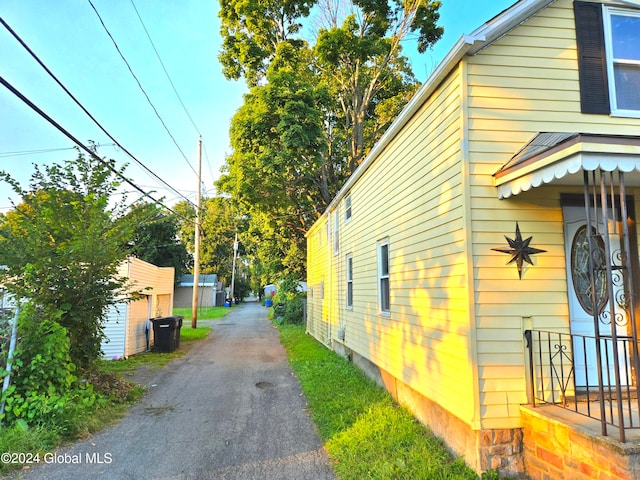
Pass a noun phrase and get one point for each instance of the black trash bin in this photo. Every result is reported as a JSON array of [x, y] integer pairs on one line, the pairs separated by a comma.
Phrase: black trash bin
[[166, 333]]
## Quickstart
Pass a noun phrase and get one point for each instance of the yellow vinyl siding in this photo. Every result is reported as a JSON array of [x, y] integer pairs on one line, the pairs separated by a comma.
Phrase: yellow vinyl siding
[[317, 277], [411, 195], [524, 83], [516, 87], [431, 193]]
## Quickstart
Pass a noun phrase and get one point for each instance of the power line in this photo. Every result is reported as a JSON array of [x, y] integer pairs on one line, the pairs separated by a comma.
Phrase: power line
[[164, 68], [206, 156], [45, 150], [65, 132], [175, 90], [140, 85], [77, 102]]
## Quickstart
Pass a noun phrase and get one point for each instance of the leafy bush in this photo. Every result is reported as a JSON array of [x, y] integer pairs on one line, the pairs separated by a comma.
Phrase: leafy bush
[[44, 389], [294, 311], [62, 246], [289, 301]]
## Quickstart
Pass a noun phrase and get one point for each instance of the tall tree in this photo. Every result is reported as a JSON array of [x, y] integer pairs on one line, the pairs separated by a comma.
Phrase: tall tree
[[314, 112], [62, 246], [362, 64], [156, 241], [252, 30], [276, 169]]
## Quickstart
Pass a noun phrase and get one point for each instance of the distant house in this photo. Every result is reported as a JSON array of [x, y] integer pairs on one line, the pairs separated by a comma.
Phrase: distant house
[[529, 129], [210, 291], [127, 328]]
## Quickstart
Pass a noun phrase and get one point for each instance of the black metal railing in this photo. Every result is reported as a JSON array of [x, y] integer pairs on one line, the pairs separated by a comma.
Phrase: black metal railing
[[595, 377]]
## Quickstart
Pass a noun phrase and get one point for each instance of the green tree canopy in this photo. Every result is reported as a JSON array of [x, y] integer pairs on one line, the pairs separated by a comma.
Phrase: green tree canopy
[[155, 240], [361, 63], [314, 111], [220, 220], [277, 172], [252, 30], [62, 246]]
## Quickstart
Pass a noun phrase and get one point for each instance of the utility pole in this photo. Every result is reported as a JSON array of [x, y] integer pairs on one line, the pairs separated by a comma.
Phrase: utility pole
[[196, 253], [233, 268]]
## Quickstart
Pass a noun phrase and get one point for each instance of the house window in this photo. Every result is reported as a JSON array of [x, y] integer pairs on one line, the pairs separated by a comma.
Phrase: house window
[[383, 277], [349, 281], [336, 232], [623, 54], [608, 41], [327, 227], [347, 208]]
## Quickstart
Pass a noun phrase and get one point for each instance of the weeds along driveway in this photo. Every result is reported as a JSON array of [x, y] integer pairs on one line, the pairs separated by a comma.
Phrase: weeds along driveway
[[230, 409]]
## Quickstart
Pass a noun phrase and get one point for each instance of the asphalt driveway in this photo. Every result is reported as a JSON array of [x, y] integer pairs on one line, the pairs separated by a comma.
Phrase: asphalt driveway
[[230, 409]]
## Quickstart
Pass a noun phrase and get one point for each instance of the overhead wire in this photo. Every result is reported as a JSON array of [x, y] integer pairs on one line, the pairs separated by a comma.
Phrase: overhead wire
[[175, 90], [140, 86], [77, 102], [164, 68], [81, 145], [46, 150]]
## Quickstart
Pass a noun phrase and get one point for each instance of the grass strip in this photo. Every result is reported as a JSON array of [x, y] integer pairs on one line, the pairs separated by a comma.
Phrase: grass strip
[[154, 359], [204, 313], [366, 434]]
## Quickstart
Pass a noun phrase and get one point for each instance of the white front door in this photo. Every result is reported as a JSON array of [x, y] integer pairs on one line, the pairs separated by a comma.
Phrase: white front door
[[581, 308]]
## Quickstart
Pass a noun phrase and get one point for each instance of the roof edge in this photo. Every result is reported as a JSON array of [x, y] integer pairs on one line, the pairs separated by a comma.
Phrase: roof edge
[[507, 20]]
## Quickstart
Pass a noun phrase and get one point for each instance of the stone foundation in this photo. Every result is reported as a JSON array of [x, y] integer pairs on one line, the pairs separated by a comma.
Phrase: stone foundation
[[500, 450]]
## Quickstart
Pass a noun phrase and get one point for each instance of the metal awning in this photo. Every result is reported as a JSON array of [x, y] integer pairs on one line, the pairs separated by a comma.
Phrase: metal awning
[[560, 158]]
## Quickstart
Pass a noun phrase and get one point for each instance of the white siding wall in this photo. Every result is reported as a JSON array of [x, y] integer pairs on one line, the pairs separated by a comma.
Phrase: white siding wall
[[114, 329]]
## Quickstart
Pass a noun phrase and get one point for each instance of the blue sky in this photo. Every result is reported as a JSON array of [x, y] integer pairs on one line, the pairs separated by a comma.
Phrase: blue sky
[[69, 39]]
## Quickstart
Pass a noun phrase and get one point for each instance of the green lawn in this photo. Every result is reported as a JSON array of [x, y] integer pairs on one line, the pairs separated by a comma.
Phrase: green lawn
[[367, 435], [156, 359], [204, 313]]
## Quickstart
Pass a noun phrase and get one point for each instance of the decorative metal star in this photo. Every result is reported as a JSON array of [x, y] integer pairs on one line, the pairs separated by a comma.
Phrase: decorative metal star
[[519, 250]]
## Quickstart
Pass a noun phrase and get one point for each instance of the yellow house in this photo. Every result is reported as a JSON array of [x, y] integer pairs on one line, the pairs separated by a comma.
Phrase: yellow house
[[524, 141], [127, 328]]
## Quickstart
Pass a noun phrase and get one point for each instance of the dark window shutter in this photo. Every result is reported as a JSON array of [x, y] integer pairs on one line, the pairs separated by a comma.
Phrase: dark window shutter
[[594, 87]]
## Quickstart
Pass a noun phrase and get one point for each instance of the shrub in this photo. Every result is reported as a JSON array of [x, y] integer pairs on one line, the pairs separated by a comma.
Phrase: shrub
[[294, 311], [289, 301], [44, 389], [62, 246]]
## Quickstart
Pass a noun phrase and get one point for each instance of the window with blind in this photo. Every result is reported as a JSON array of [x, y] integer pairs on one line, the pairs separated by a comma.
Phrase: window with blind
[[349, 275], [384, 293]]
